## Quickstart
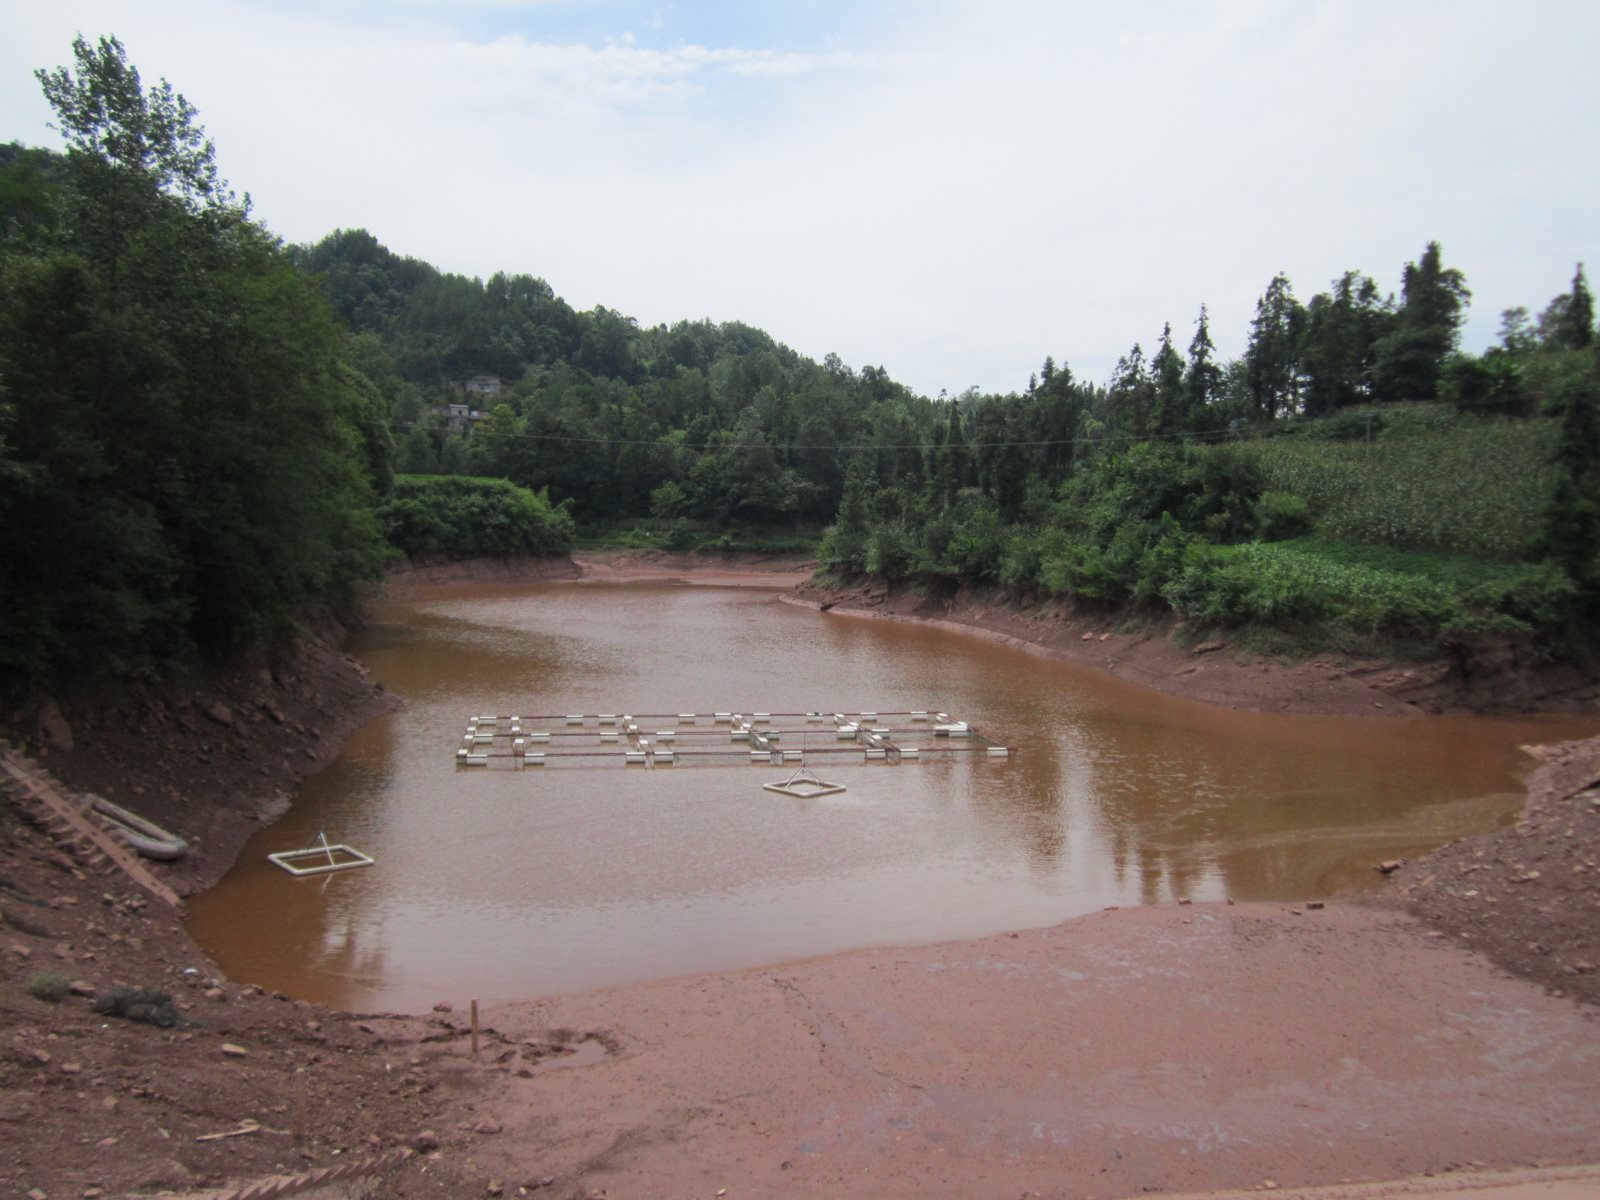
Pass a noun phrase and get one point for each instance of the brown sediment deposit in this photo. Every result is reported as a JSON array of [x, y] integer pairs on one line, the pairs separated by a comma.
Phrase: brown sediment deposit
[[1171, 1048], [746, 569], [511, 567]]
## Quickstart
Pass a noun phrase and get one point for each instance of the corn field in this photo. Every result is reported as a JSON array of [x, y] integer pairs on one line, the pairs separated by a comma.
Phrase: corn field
[[1476, 487]]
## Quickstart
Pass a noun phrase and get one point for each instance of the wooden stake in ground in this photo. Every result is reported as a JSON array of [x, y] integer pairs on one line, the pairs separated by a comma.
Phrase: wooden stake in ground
[[299, 1106], [474, 1027]]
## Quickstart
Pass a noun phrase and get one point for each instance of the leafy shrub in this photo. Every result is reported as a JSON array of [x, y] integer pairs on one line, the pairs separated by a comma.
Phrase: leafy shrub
[[1424, 597], [1280, 516], [462, 515], [48, 986], [890, 551], [138, 1004]]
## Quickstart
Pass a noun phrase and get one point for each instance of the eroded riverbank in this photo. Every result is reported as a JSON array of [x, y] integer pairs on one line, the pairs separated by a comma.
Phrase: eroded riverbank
[[1492, 677]]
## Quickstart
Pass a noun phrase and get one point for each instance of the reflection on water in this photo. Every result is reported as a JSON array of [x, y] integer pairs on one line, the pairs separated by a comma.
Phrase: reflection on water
[[508, 884]]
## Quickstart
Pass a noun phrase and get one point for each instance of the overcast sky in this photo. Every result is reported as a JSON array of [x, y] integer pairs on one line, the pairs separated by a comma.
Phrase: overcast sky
[[952, 190]]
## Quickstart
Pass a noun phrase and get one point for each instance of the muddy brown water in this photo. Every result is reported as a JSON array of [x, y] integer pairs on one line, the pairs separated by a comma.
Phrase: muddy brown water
[[509, 884]]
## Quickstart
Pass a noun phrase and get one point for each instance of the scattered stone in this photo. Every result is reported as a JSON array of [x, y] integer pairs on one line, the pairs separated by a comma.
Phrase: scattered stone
[[215, 993], [1185, 900], [1315, 904], [1088, 637], [1208, 647], [72, 1068], [42, 1057], [234, 1051], [221, 714], [425, 1142], [53, 728], [81, 987], [487, 1126], [1390, 867], [444, 1006], [495, 1188]]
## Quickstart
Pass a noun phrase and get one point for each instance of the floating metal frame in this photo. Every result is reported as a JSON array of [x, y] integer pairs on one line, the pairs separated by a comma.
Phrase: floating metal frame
[[287, 859], [665, 739], [804, 785]]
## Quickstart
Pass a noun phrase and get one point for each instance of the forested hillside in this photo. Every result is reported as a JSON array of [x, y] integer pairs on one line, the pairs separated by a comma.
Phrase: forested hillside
[[201, 432], [715, 422], [188, 457]]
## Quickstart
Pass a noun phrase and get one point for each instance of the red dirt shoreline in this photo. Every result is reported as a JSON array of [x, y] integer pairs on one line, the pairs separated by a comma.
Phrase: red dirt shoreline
[[1498, 677], [1160, 1048]]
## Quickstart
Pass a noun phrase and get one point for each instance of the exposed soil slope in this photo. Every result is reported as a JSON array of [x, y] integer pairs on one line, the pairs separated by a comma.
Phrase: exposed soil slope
[[1528, 896], [210, 756]]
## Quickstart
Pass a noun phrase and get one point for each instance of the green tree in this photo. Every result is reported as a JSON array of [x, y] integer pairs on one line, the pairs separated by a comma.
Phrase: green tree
[[1129, 398], [1339, 343], [1572, 523], [1272, 357], [1168, 397], [1568, 322], [184, 412], [1410, 360], [1202, 378]]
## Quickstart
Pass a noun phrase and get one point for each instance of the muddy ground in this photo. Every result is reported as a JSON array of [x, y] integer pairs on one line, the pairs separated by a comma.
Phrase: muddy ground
[[1170, 1048]]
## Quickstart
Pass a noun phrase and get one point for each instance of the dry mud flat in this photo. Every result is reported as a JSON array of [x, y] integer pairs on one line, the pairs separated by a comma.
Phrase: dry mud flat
[[1156, 1049]]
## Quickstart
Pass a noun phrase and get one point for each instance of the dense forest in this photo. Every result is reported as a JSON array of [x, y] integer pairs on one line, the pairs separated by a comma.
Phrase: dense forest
[[205, 434]]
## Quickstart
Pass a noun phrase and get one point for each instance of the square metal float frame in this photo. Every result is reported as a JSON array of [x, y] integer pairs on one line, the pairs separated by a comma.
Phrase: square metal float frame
[[283, 859], [813, 787]]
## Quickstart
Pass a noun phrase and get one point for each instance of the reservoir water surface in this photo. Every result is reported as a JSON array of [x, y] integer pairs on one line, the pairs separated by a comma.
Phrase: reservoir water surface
[[509, 884]]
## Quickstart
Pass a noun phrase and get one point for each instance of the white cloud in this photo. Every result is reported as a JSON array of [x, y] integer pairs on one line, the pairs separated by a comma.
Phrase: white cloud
[[954, 192]]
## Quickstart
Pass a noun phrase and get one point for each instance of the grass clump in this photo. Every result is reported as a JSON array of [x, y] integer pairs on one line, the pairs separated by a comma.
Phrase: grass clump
[[49, 987]]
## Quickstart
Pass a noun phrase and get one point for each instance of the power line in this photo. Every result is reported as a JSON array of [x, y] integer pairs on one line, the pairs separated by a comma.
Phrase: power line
[[871, 447]]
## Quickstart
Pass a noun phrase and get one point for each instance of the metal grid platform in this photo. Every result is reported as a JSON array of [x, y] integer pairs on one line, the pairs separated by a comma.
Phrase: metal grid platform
[[718, 739]]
